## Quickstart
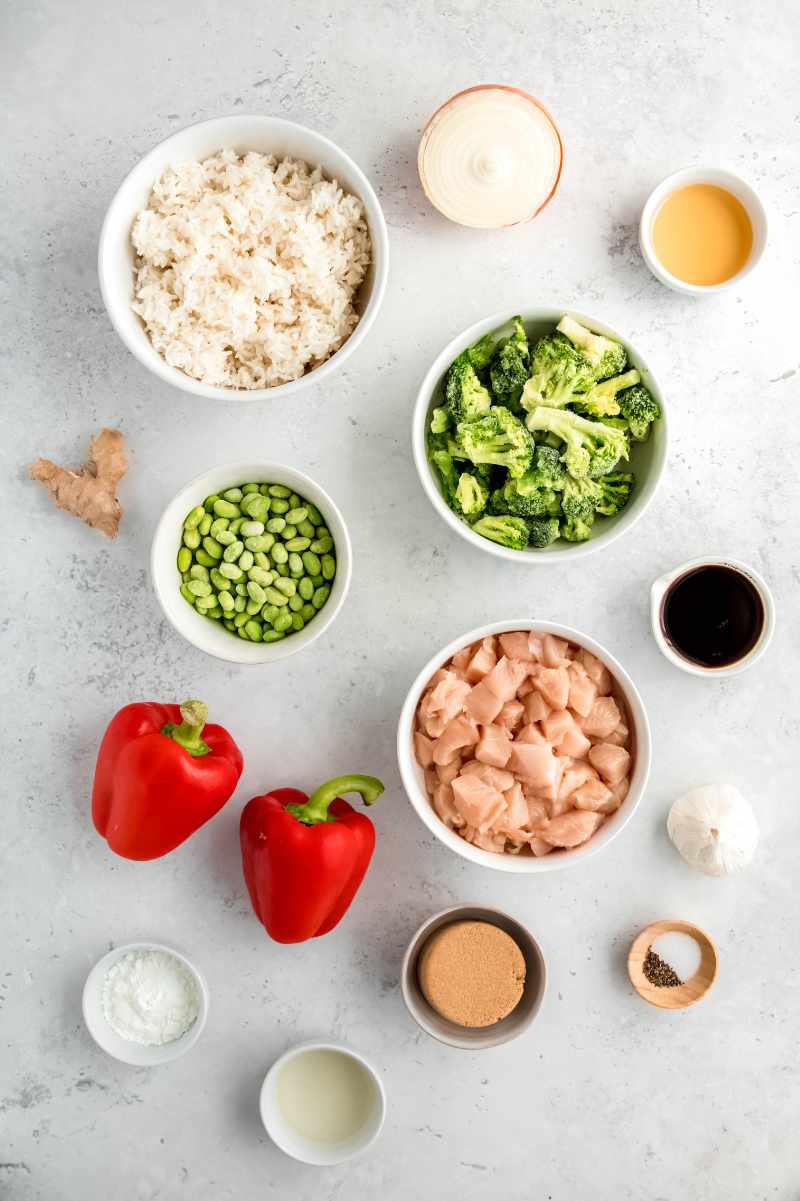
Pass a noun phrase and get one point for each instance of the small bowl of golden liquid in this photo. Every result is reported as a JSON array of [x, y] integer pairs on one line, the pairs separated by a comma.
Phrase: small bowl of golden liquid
[[702, 230]]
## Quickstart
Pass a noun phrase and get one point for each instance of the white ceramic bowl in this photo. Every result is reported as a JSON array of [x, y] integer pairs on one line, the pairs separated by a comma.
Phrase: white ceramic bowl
[[658, 594], [307, 1150], [208, 635], [647, 458], [269, 135], [120, 1048], [414, 779], [722, 179]]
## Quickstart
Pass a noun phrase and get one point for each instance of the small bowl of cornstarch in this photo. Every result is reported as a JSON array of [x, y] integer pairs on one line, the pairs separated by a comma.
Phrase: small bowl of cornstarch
[[145, 1004]]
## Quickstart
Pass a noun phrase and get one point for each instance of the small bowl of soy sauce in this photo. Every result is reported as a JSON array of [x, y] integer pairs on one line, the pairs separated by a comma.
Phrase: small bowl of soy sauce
[[712, 617]]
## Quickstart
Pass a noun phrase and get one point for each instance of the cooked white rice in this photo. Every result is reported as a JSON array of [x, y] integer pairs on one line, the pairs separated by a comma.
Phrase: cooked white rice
[[247, 268]]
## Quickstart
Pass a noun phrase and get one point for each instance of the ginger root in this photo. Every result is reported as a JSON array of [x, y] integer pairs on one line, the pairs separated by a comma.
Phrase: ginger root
[[91, 492]]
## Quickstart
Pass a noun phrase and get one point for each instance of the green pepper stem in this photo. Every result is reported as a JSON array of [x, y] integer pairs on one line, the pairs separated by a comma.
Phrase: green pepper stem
[[315, 808], [188, 733]]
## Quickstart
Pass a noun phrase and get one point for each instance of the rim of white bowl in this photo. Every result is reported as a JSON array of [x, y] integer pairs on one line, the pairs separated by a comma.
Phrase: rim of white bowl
[[315, 1153], [558, 552], [107, 1039], [517, 864], [720, 177], [207, 635], [154, 362]]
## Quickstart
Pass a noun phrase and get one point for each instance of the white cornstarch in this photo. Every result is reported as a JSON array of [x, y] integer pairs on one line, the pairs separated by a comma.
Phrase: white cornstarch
[[247, 268], [149, 997]]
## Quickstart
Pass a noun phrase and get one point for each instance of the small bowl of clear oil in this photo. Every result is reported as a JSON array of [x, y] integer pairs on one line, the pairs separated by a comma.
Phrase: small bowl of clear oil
[[322, 1103]]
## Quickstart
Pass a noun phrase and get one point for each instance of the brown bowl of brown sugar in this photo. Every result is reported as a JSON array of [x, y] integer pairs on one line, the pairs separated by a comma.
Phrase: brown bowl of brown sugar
[[473, 977]]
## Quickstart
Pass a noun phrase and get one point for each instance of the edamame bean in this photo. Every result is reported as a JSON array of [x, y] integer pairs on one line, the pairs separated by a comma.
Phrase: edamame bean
[[219, 523], [307, 612], [286, 586], [312, 563], [240, 604], [295, 603], [240, 618], [260, 559], [198, 572], [282, 568], [184, 559], [212, 547], [241, 589], [220, 581], [275, 525], [231, 571], [249, 529], [246, 560], [194, 518], [256, 592], [279, 507], [279, 553], [256, 507], [328, 567], [320, 596], [249, 488], [275, 597], [236, 525], [295, 516], [241, 633], [224, 508], [297, 544], [233, 494], [253, 629], [204, 602], [306, 529], [187, 595], [283, 622], [226, 601], [295, 565], [215, 613], [260, 542], [205, 524], [225, 538], [297, 621], [314, 513], [229, 625], [306, 588], [260, 576], [191, 538], [272, 636], [288, 531], [318, 580], [233, 551], [199, 588], [209, 502], [251, 608], [321, 546], [201, 556], [279, 490], [270, 612]]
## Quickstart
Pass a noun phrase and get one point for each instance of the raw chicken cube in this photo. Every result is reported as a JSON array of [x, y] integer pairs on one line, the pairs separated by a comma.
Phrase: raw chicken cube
[[525, 688], [478, 803], [537, 766], [596, 671], [494, 746], [592, 795], [516, 646], [459, 732], [516, 813], [482, 705], [612, 762], [423, 749], [538, 811], [486, 841], [510, 716], [619, 737], [553, 683], [447, 772], [505, 678], [536, 707], [532, 734], [482, 661], [582, 690], [461, 658], [535, 645], [554, 651], [572, 829], [618, 794], [444, 807], [575, 775], [502, 780], [441, 703], [540, 847], [602, 719]]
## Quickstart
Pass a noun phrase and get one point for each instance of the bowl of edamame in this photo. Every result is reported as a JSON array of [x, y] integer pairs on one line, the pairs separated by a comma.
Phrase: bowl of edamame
[[251, 562]]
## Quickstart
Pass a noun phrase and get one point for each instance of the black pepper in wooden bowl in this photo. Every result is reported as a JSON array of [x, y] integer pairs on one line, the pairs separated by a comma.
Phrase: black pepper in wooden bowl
[[658, 972]]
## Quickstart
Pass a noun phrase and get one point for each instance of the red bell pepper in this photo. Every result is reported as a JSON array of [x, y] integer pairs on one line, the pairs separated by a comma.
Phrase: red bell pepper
[[159, 778], [304, 857]]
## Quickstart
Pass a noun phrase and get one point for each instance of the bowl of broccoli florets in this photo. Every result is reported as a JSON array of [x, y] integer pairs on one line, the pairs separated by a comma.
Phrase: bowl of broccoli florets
[[540, 436]]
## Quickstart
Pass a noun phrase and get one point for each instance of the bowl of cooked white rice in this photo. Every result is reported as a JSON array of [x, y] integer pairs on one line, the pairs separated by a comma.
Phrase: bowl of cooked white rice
[[244, 258]]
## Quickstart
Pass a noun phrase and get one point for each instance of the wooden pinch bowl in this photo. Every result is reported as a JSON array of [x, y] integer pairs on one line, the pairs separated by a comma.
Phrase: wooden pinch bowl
[[682, 995]]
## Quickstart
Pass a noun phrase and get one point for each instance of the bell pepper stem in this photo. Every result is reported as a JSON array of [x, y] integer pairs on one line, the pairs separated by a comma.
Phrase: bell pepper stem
[[189, 733], [315, 808]]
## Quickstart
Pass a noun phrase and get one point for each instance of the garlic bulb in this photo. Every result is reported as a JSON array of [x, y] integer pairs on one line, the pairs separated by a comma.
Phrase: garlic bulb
[[714, 828]]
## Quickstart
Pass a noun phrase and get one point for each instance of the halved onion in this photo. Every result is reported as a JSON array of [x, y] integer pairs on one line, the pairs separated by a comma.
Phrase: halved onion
[[489, 157]]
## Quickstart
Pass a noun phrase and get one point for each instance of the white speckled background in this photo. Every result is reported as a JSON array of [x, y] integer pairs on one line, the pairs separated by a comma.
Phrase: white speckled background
[[604, 1097]]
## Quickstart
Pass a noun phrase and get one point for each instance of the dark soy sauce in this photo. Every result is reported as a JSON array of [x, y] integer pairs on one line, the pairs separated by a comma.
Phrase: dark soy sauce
[[713, 616]]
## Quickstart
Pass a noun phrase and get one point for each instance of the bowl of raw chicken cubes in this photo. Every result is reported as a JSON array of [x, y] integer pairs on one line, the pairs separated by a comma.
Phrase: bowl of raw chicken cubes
[[524, 746]]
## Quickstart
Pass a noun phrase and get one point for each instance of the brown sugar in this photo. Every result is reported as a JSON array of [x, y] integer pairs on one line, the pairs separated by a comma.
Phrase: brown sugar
[[472, 973]]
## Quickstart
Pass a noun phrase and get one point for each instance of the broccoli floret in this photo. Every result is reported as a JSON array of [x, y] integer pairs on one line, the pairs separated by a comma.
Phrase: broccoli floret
[[615, 492], [559, 373], [592, 448], [510, 365], [580, 497], [440, 421], [601, 400], [508, 531], [466, 396], [640, 409], [526, 497], [499, 438], [542, 531], [547, 467], [606, 356], [480, 354], [442, 460], [577, 529], [470, 496]]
